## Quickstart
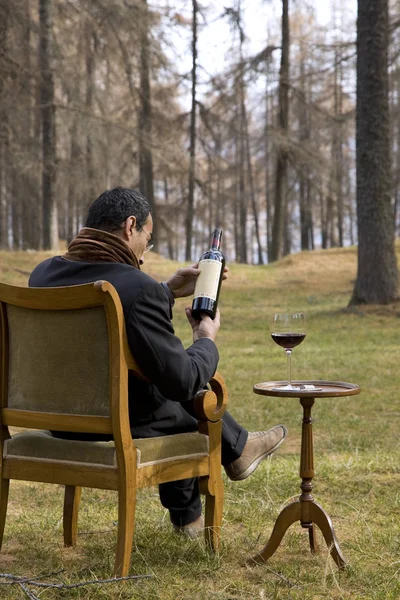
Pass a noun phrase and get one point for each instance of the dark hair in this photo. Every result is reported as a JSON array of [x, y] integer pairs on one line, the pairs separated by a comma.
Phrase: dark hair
[[113, 207]]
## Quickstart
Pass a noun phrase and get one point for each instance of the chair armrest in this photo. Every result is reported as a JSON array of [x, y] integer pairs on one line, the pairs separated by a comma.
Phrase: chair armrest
[[210, 405]]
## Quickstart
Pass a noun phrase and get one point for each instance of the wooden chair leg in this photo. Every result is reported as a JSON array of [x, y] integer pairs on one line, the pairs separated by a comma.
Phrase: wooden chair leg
[[213, 519], [4, 487], [72, 498], [214, 489], [126, 526]]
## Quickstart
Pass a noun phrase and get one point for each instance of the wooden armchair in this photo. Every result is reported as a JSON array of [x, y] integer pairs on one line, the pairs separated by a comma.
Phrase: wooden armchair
[[64, 366]]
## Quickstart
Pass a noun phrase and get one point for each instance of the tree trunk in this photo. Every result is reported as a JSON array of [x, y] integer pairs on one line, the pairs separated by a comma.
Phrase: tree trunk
[[73, 186], [396, 145], [90, 86], [337, 154], [16, 212], [245, 132], [377, 268], [242, 199], [145, 120], [47, 110], [241, 196], [310, 224], [350, 195], [253, 195], [209, 191], [287, 237], [30, 222], [190, 206], [268, 203], [169, 231], [304, 184], [236, 183], [219, 209], [330, 219], [4, 195], [282, 158], [324, 226]]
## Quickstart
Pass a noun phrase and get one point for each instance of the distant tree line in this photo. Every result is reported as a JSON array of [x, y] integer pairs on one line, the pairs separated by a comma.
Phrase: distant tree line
[[90, 99]]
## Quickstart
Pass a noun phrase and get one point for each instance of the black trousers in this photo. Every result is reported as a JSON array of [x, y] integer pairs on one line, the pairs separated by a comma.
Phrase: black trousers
[[182, 498]]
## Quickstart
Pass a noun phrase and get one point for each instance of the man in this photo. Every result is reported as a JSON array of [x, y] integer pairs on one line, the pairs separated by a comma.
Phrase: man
[[112, 247]]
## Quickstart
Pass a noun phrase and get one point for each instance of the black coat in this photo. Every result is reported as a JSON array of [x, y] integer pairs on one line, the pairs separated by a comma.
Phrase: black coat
[[176, 374]]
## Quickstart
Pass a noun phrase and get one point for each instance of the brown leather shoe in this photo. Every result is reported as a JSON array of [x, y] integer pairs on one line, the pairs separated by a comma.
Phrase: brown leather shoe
[[259, 445], [192, 530]]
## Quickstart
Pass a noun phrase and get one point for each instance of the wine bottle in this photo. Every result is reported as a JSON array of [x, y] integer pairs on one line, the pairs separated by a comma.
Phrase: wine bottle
[[208, 284]]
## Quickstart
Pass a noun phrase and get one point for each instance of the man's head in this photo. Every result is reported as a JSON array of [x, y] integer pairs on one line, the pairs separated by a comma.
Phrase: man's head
[[125, 213], [113, 207]]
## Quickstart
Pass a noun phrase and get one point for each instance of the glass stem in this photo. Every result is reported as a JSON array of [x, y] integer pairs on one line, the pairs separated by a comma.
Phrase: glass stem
[[289, 365]]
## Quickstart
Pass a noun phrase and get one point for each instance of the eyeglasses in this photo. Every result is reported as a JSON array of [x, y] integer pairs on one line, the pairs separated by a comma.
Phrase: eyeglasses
[[148, 247]]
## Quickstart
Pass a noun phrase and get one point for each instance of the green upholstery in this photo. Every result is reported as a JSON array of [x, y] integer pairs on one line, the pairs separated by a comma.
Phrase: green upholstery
[[42, 445], [171, 447], [58, 361]]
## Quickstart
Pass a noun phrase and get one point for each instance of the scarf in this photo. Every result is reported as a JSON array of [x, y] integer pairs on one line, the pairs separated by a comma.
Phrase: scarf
[[95, 246]]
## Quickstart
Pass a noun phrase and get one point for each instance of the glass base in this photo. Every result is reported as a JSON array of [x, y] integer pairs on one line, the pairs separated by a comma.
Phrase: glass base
[[297, 388], [288, 388]]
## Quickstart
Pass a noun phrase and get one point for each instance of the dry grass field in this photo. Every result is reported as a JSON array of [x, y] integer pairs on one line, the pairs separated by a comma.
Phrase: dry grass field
[[357, 457]]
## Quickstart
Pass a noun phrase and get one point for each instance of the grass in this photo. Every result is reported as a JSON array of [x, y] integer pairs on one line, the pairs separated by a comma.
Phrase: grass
[[357, 457]]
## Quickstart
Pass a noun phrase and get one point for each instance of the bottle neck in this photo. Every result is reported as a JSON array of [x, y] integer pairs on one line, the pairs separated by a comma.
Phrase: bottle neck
[[216, 239]]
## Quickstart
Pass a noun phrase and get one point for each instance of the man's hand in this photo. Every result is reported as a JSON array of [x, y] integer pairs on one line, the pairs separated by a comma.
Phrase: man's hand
[[183, 282], [206, 328]]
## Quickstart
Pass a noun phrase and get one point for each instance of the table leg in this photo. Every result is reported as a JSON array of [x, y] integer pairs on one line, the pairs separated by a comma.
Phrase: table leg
[[289, 515], [307, 472], [305, 509], [312, 536], [321, 518]]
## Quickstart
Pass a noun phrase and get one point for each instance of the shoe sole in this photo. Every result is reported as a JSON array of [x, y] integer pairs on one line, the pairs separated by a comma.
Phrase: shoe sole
[[257, 461], [191, 531]]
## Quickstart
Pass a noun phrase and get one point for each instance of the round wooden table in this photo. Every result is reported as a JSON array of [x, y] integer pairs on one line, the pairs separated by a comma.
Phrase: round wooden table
[[305, 509]]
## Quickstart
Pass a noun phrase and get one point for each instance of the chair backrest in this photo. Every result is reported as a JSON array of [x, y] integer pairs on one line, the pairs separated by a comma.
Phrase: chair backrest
[[63, 358], [58, 361]]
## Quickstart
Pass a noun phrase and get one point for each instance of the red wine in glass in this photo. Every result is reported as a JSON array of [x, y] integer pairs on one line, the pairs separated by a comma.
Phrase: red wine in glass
[[288, 330], [288, 340]]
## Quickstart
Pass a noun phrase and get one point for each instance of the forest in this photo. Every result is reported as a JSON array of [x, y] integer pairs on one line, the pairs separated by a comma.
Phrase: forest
[[95, 94], [292, 146]]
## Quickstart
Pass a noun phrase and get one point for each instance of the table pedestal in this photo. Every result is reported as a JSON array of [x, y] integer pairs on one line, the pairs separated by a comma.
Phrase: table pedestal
[[305, 509]]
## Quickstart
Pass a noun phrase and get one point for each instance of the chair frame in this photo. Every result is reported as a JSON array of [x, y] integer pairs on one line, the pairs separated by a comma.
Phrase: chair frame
[[126, 478]]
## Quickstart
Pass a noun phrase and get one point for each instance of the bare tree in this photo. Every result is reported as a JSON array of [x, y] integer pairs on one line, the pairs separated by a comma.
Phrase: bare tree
[[145, 118], [192, 165], [242, 191], [47, 109], [280, 208], [4, 75], [90, 75], [377, 269], [306, 225]]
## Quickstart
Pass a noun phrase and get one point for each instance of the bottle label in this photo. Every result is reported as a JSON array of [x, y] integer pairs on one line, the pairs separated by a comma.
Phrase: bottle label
[[208, 279]]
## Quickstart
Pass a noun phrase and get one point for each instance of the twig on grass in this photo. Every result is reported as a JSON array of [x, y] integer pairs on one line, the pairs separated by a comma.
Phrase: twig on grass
[[283, 578], [96, 532], [27, 591], [23, 582], [22, 579], [71, 586]]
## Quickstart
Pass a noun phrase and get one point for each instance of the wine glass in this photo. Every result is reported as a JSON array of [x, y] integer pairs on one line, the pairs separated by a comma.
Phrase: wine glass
[[288, 330]]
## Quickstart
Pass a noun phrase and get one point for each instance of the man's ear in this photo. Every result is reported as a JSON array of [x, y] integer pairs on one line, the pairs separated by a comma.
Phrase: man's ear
[[130, 224]]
